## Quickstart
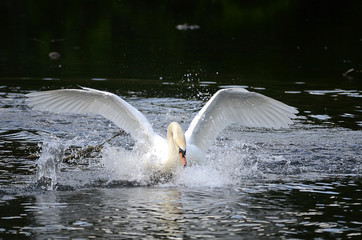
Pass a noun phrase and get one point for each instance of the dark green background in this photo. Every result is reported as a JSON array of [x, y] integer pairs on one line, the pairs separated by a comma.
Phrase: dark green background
[[139, 39]]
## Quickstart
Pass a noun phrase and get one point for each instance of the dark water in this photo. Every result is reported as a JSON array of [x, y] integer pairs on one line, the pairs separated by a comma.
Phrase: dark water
[[303, 182], [263, 210], [167, 58]]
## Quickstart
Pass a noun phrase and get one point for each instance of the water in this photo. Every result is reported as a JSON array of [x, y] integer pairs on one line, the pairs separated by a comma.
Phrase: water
[[167, 58], [303, 182], [263, 210]]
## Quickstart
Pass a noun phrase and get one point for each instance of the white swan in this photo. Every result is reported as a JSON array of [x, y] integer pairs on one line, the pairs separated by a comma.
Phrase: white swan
[[227, 106]]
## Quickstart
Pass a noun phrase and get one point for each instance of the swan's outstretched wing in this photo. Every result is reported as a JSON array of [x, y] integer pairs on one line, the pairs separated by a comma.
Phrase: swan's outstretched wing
[[87, 100], [236, 105]]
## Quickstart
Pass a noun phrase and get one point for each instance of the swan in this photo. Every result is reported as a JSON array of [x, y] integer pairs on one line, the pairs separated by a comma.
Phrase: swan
[[226, 106]]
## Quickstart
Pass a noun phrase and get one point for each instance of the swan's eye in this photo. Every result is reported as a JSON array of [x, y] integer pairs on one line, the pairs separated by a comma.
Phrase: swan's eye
[[183, 152]]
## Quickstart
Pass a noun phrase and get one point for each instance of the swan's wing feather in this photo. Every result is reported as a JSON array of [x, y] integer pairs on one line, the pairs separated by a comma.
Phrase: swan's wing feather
[[237, 105], [87, 100]]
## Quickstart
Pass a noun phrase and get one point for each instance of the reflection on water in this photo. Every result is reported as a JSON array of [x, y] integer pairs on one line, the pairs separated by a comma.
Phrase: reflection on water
[[304, 210]]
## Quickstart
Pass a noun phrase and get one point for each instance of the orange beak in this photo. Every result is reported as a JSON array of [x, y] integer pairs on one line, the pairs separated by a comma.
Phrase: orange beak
[[183, 159]]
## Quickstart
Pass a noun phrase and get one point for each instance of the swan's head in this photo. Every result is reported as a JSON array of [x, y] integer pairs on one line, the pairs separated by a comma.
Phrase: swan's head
[[177, 142]]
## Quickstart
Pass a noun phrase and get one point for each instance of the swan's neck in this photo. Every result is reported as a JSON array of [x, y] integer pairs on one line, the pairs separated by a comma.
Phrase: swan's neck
[[176, 141]]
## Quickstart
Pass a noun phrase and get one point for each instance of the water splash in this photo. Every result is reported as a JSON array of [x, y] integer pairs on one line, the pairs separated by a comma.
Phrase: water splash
[[122, 164], [225, 165], [53, 150], [228, 163]]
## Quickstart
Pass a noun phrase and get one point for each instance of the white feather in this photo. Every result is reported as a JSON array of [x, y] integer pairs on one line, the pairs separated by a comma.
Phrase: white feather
[[236, 105], [87, 100]]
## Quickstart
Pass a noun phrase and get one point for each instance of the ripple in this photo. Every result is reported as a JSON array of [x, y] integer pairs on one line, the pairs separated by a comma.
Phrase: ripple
[[293, 92], [321, 117], [233, 86], [51, 79], [323, 92], [348, 115]]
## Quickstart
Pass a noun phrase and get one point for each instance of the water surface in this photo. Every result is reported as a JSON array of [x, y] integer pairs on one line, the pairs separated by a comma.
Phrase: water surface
[[302, 182]]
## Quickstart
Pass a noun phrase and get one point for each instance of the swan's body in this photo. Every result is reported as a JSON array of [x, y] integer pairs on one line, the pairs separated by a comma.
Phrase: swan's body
[[227, 106]]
